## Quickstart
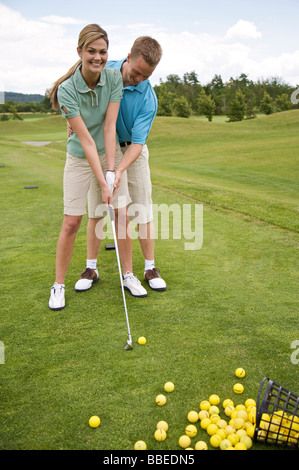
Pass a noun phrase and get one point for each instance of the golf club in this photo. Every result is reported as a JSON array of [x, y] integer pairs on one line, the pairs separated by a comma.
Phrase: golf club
[[111, 211]]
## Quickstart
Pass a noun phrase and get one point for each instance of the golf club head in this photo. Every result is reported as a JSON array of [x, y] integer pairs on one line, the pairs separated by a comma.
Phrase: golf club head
[[128, 346]]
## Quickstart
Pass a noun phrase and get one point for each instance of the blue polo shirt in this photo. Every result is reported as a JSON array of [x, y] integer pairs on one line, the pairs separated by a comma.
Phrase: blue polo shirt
[[137, 111]]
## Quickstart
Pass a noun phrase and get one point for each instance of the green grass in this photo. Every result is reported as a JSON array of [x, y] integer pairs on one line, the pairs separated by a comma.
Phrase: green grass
[[232, 303]]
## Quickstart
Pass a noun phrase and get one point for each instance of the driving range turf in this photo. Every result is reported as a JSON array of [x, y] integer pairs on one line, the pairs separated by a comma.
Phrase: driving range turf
[[232, 303]]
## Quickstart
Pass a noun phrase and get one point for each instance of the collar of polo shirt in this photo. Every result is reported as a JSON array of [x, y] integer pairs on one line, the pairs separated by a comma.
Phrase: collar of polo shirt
[[80, 84]]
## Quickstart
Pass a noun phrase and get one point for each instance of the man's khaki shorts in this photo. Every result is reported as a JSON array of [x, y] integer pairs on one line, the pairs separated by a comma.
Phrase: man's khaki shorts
[[140, 188], [80, 187]]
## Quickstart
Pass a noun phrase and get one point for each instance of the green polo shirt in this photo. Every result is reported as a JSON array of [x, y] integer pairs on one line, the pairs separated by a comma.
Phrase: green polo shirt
[[91, 105]]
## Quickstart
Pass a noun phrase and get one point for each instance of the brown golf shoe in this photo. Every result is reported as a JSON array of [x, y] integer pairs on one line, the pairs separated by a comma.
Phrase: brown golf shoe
[[87, 279], [155, 281]]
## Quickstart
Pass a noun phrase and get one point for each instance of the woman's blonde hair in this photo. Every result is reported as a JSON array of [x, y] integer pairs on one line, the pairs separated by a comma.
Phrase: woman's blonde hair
[[90, 33]]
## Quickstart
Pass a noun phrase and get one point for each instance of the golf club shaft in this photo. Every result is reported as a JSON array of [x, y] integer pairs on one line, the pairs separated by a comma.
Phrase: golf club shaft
[[111, 211]]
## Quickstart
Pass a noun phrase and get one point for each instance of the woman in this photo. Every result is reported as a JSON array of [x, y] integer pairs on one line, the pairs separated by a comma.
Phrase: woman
[[88, 96]]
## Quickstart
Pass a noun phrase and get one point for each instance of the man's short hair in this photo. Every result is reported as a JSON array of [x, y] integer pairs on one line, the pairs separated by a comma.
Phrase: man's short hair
[[148, 48]]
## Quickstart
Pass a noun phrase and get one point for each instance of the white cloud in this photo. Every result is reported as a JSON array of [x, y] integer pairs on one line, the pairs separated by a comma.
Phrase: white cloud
[[208, 55], [61, 20], [243, 30], [35, 53]]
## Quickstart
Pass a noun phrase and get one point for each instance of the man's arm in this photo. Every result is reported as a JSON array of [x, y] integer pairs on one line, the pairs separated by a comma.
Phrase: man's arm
[[129, 157]]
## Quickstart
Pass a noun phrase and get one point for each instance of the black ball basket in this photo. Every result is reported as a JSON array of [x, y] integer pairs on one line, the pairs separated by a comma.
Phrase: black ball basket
[[277, 415]]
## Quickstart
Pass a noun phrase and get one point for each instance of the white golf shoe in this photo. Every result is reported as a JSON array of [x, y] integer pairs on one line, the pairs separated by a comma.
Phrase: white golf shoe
[[133, 285], [57, 298], [155, 281], [87, 279]]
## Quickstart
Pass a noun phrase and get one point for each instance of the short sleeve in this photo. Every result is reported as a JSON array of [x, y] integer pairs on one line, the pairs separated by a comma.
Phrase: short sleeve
[[142, 126], [116, 93], [67, 98]]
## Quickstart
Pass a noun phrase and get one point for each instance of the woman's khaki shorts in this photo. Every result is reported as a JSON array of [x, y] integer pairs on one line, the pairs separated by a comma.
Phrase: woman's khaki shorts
[[81, 186], [140, 188]]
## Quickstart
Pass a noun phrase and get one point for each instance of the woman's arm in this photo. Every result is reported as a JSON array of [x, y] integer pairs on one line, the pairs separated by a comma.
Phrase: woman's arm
[[91, 154], [110, 134]]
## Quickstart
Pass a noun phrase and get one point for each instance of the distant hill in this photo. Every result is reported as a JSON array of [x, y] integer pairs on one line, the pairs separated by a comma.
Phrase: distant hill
[[22, 97]]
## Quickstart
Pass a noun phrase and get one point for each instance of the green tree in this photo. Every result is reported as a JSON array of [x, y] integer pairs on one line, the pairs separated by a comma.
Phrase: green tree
[[215, 89], [191, 89], [181, 107], [283, 102], [46, 104], [237, 107], [267, 104], [165, 101], [206, 105]]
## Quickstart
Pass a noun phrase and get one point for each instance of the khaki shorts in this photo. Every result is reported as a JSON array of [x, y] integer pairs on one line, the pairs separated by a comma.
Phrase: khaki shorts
[[80, 186], [140, 188]]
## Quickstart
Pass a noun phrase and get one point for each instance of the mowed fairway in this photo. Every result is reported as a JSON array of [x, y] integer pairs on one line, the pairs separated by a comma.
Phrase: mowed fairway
[[232, 303]]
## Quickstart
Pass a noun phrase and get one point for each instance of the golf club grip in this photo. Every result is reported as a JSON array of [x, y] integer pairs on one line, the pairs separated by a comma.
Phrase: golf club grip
[[111, 211]]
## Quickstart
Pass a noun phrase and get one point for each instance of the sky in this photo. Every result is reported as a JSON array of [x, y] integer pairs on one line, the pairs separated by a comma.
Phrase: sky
[[221, 37]]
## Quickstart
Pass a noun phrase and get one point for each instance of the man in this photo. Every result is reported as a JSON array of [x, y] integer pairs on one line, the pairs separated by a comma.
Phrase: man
[[137, 111]]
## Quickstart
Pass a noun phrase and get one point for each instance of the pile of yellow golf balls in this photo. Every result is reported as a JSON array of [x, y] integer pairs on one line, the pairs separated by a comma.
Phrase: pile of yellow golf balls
[[235, 431], [228, 423]]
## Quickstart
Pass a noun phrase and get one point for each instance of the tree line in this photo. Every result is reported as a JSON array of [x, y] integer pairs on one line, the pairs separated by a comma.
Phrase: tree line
[[13, 109], [238, 98]]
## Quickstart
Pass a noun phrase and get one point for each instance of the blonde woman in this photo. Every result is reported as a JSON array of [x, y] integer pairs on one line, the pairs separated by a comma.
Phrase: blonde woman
[[88, 96]]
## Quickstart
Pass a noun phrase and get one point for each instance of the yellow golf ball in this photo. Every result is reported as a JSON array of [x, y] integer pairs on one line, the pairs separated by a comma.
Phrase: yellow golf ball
[[240, 446], [201, 445], [214, 410], [94, 422], [240, 372], [240, 406], [140, 445], [230, 429], [251, 416], [221, 433], [221, 423], [141, 340], [214, 418], [203, 414], [238, 388], [250, 430], [242, 414], [212, 429], [227, 402], [239, 423], [160, 434], [214, 399], [247, 441], [215, 440], [192, 416], [225, 444], [184, 441], [162, 425], [191, 430], [229, 410], [160, 400], [169, 387], [250, 402], [205, 423], [233, 438], [204, 405]]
